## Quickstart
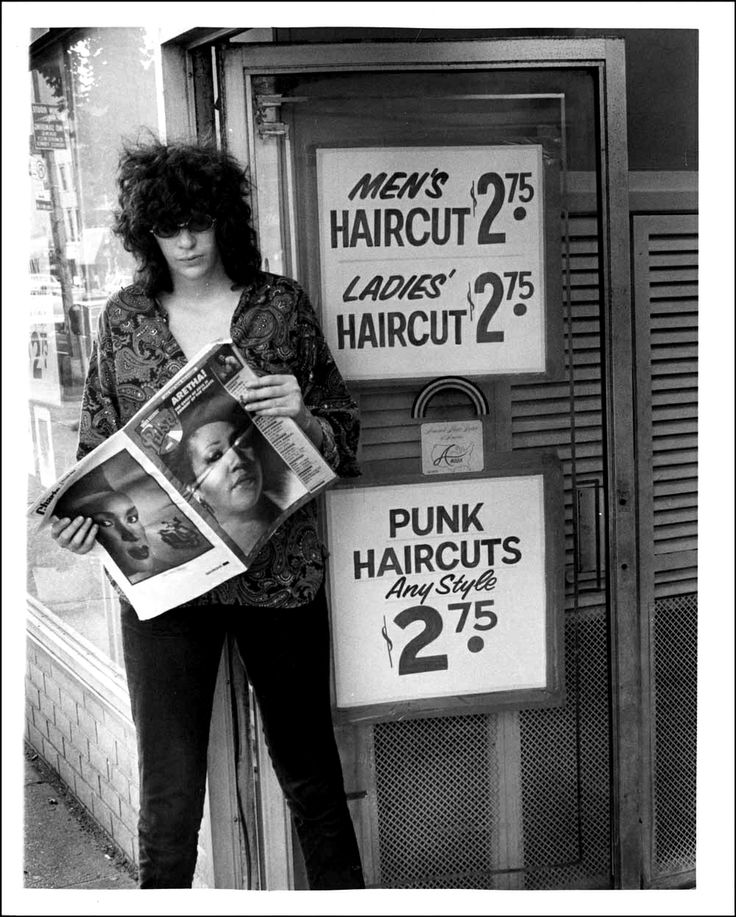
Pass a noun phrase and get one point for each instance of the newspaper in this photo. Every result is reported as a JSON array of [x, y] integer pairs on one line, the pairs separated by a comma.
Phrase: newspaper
[[187, 493]]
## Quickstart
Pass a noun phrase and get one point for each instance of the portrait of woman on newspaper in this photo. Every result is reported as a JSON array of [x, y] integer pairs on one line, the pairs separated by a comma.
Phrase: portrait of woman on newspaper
[[231, 470], [118, 528], [116, 520], [132, 518]]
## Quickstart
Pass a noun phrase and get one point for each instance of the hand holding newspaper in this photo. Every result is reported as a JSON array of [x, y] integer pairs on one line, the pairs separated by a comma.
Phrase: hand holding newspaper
[[186, 494]]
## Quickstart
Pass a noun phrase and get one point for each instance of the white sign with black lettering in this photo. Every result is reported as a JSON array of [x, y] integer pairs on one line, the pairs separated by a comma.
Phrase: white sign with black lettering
[[440, 590], [432, 260]]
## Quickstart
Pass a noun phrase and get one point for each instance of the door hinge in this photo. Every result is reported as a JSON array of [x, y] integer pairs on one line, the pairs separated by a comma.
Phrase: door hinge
[[267, 112]]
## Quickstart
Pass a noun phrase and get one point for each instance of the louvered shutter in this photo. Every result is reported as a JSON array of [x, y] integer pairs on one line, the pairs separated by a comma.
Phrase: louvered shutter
[[563, 416], [665, 284], [566, 416], [665, 262]]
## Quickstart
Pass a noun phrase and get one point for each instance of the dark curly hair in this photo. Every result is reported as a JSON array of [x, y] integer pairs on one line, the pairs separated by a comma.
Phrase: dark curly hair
[[173, 179]]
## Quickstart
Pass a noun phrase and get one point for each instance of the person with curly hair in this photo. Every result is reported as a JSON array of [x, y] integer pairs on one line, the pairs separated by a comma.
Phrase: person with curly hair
[[185, 215]]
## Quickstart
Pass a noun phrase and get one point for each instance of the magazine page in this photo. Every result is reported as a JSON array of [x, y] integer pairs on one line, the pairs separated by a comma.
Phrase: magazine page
[[299, 453], [242, 475], [189, 491], [158, 552]]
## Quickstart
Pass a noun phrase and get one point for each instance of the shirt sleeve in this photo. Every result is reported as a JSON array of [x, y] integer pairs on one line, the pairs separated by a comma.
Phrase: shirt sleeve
[[100, 415], [325, 392]]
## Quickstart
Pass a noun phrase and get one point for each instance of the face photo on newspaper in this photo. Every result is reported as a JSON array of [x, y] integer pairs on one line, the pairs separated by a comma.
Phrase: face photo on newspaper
[[221, 461], [138, 526]]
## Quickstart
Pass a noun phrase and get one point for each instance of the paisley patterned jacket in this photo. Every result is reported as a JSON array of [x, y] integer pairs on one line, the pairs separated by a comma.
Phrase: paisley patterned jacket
[[275, 327]]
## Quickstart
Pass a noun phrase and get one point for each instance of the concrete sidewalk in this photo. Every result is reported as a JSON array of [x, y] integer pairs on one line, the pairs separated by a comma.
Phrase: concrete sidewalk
[[64, 847]]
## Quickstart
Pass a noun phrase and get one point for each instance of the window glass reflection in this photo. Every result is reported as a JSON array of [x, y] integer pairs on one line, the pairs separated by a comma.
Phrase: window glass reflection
[[88, 96]]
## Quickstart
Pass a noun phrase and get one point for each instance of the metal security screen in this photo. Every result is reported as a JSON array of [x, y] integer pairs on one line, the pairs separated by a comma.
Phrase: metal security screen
[[437, 790], [675, 712], [567, 831]]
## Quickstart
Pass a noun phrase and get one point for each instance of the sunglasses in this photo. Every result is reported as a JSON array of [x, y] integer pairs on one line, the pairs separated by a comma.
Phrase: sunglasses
[[198, 222]]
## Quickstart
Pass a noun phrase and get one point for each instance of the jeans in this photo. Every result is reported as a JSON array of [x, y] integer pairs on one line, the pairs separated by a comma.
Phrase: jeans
[[171, 663]]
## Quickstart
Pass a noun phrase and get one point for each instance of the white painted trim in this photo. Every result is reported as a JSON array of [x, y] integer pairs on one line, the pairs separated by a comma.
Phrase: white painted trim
[[276, 847]]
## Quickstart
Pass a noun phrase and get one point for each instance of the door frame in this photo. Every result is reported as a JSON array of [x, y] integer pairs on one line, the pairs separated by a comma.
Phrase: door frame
[[607, 57]]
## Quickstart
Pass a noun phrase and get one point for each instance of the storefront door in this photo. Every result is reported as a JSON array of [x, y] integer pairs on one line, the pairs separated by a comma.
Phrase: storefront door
[[504, 798]]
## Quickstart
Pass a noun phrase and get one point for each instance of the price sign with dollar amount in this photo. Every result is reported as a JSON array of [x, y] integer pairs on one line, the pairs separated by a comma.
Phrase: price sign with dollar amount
[[446, 595], [438, 260]]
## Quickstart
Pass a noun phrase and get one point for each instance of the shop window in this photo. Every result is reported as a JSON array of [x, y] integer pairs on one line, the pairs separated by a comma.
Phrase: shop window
[[90, 92]]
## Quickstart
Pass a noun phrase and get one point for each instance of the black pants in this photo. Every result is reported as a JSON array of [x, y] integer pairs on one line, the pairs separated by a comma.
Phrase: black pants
[[171, 663]]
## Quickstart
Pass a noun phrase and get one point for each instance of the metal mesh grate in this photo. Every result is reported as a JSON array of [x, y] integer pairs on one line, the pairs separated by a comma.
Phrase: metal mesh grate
[[565, 770], [436, 786], [675, 733]]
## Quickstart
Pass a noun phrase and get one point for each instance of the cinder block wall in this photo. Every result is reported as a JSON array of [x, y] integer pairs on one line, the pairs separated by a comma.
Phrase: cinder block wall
[[88, 742]]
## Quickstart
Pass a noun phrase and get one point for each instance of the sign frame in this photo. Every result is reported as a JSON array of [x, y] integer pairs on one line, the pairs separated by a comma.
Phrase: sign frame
[[552, 268], [552, 693]]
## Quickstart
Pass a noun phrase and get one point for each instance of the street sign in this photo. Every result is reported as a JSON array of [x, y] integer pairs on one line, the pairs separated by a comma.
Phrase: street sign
[[48, 129]]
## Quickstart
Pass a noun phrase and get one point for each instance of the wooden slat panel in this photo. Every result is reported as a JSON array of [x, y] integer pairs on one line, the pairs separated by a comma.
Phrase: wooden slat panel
[[379, 420], [673, 259], [661, 291], [673, 381], [580, 262], [669, 472], [666, 447], [581, 278], [666, 507], [669, 517], [586, 466], [390, 450], [582, 451], [671, 343], [679, 485], [673, 368], [683, 574], [684, 272], [555, 392], [541, 412], [580, 226], [667, 291], [677, 320], [673, 306], [679, 404], [586, 325], [586, 246], [556, 422], [684, 587], [675, 329], [680, 426], [586, 358], [673, 354], [402, 434], [671, 540], [682, 242], [557, 406]]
